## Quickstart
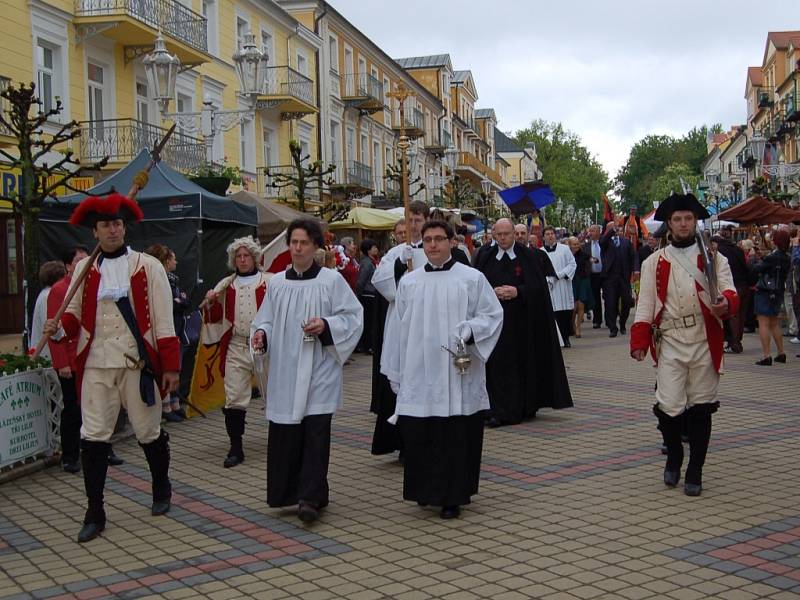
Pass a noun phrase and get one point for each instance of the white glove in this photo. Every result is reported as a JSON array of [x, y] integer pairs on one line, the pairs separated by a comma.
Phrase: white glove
[[395, 387], [464, 331], [406, 253]]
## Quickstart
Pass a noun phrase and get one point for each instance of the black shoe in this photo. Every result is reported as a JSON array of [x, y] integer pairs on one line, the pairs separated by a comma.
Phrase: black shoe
[[781, 358], [664, 449], [493, 422], [622, 329], [692, 489], [114, 460], [160, 507], [71, 467], [765, 362], [613, 333], [232, 460], [671, 478], [172, 417], [181, 413], [89, 531], [567, 344], [307, 512], [450, 512], [596, 326]]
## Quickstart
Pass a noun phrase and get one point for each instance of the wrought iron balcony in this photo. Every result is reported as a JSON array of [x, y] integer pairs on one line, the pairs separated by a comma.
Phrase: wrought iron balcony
[[292, 91], [362, 91], [4, 106], [122, 139], [353, 178], [268, 183], [171, 17], [791, 110], [413, 123], [764, 98]]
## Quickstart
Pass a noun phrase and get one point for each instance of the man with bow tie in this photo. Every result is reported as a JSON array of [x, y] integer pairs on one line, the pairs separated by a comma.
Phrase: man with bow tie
[[620, 269]]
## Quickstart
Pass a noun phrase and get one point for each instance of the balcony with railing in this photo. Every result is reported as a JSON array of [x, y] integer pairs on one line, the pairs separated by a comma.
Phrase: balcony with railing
[[413, 123], [121, 140], [272, 183], [470, 164], [791, 110], [5, 134], [764, 97], [135, 23], [438, 144], [289, 90], [362, 91], [352, 178]]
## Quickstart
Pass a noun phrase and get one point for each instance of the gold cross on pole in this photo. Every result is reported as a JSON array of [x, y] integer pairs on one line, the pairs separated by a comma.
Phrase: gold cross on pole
[[401, 93]]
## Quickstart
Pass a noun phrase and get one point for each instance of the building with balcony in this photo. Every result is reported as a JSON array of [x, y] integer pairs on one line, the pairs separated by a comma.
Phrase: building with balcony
[[522, 162], [360, 122]]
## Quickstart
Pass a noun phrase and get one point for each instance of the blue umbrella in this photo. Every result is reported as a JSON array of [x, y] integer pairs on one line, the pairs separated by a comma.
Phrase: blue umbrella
[[528, 197]]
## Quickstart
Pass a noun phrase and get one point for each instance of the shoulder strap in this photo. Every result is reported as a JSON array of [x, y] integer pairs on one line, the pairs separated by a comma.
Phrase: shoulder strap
[[147, 379]]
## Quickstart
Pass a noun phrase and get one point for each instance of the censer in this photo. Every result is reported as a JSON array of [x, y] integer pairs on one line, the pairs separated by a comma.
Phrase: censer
[[461, 358]]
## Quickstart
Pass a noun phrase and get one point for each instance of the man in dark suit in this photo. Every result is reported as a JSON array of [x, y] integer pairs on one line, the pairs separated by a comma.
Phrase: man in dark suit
[[734, 327], [592, 248], [620, 265]]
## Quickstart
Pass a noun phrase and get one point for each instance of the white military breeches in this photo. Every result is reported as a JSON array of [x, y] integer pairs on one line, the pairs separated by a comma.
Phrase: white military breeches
[[685, 375], [238, 374]]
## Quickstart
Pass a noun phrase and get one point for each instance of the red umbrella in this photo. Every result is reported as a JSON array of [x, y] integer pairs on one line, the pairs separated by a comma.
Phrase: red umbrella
[[758, 210]]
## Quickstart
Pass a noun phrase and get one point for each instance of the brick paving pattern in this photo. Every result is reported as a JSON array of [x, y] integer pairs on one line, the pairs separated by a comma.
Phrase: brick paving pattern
[[571, 506]]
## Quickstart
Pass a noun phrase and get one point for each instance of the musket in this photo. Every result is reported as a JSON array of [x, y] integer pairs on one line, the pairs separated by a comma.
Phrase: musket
[[139, 181], [703, 238]]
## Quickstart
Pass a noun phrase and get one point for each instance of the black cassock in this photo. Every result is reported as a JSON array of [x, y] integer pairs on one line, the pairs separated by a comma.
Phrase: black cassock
[[386, 437], [526, 370]]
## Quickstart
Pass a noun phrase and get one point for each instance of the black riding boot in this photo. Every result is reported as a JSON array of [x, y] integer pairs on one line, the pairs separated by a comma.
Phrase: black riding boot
[[234, 424], [699, 425], [157, 454], [94, 457], [670, 428]]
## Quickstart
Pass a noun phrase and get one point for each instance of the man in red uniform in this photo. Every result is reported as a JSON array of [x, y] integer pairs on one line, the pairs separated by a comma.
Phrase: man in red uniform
[[127, 352]]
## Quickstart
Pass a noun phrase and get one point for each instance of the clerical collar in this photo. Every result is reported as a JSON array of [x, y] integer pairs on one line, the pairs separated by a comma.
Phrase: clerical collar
[[684, 243], [510, 252], [121, 251], [309, 273], [445, 267], [417, 244], [550, 248]]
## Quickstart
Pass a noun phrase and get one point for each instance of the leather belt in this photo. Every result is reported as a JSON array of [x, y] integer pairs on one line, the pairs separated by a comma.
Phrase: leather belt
[[680, 323]]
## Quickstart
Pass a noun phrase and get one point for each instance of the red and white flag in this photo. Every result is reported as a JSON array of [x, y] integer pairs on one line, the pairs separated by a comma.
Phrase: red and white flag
[[275, 256]]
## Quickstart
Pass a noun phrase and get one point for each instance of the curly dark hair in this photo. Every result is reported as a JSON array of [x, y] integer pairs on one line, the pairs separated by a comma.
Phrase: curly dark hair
[[312, 228]]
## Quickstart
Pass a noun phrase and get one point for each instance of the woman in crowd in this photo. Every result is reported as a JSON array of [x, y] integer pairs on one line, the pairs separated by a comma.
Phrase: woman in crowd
[[366, 292], [581, 284], [171, 405], [771, 271]]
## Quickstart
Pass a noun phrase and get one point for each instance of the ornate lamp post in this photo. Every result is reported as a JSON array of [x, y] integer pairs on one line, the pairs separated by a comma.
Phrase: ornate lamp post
[[486, 187], [251, 69]]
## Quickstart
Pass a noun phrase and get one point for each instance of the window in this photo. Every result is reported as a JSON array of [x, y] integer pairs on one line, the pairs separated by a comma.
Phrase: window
[[242, 28], [351, 144], [387, 102], [348, 65], [247, 159], [142, 102], [210, 13], [267, 136], [267, 46], [364, 150], [45, 75], [335, 158], [333, 51], [95, 93], [302, 64], [377, 171]]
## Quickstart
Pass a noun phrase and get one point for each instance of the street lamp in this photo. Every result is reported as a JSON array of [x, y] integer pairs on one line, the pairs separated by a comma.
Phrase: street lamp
[[757, 146], [161, 69], [451, 158], [486, 188], [251, 67]]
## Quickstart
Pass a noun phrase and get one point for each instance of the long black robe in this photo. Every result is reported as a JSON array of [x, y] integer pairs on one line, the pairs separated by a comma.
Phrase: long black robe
[[526, 370], [386, 437]]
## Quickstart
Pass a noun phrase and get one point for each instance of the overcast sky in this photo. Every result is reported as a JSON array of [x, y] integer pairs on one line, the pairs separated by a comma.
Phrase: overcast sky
[[612, 71]]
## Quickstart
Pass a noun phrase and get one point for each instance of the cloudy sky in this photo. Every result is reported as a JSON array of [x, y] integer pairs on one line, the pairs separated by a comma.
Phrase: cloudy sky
[[612, 71]]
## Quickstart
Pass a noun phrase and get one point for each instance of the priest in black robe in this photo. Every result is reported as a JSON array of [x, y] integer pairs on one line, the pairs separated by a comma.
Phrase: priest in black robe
[[525, 372]]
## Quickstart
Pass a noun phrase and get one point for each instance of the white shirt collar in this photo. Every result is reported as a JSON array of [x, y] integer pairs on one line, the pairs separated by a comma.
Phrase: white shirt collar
[[510, 252]]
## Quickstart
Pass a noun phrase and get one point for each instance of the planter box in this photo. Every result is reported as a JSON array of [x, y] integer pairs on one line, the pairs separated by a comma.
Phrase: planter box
[[215, 185], [30, 408]]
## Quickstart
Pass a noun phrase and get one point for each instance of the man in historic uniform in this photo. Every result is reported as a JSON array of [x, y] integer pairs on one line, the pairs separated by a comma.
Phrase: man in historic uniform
[[127, 355], [231, 307], [681, 324]]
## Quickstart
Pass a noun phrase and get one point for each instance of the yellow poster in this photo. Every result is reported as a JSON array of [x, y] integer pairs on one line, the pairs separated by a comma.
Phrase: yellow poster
[[11, 183]]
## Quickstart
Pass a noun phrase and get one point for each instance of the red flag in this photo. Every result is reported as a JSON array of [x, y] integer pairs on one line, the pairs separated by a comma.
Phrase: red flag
[[276, 256], [608, 214]]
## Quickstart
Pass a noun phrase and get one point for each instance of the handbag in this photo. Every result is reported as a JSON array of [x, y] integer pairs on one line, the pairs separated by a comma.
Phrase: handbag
[[768, 280]]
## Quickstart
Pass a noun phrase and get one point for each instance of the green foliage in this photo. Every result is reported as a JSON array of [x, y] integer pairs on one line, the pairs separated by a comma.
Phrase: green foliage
[[230, 172], [12, 363], [461, 193], [568, 167], [670, 180], [394, 174], [649, 159]]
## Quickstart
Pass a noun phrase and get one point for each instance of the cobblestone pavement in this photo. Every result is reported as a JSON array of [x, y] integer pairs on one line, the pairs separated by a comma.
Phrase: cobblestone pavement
[[571, 505]]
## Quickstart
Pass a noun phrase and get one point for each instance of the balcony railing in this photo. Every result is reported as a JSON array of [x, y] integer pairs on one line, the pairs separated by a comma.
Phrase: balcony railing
[[285, 81], [447, 139], [465, 159], [122, 139], [4, 105], [354, 173], [791, 110], [361, 85], [413, 120], [169, 16], [267, 183], [764, 97]]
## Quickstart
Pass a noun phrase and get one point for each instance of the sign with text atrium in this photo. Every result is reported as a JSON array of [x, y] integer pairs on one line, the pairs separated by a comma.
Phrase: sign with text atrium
[[23, 416]]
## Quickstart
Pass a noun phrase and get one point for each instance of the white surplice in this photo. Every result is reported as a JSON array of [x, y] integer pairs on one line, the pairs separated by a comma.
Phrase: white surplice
[[305, 377], [561, 286], [432, 307], [384, 281]]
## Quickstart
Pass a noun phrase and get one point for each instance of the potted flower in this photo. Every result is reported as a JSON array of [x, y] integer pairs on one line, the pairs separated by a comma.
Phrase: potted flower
[[216, 177]]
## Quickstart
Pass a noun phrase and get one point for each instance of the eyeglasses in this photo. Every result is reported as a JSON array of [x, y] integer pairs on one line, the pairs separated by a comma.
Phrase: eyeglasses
[[438, 239]]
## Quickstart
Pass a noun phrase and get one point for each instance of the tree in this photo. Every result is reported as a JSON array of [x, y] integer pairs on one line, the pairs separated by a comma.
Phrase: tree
[[394, 175], [670, 180], [304, 175], [460, 193], [25, 120], [568, 167]]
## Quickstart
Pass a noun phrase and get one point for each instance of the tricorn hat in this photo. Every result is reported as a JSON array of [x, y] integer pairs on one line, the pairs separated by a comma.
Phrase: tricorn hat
[[106, 208], [680, 202]]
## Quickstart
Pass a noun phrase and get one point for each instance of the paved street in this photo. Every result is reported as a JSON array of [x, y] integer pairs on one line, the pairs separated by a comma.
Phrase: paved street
[[571, 505]]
